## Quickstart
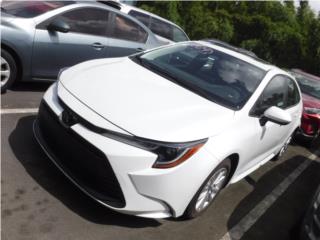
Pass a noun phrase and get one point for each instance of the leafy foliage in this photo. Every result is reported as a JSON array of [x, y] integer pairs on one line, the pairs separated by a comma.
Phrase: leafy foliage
[[276, 31]]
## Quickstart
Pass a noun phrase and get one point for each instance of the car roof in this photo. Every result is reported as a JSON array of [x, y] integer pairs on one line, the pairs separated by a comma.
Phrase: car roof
[[229, 46], [240, 53]]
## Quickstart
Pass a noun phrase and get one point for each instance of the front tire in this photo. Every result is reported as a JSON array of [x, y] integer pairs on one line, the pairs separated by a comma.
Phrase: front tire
[[8, 70], [209, 190], [283, 149]]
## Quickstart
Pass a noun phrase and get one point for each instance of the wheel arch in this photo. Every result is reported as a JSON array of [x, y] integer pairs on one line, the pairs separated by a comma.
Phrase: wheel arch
[[16, 57], [234, 158]]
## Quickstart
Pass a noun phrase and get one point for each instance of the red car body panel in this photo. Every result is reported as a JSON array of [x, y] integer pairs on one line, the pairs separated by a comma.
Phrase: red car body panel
[[310, 123]]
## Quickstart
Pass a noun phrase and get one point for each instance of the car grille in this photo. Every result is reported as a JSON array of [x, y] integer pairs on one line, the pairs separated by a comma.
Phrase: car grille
[[80, 160]]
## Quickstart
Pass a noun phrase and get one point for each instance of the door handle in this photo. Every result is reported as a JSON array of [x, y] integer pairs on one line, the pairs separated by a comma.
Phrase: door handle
[[97, 46]]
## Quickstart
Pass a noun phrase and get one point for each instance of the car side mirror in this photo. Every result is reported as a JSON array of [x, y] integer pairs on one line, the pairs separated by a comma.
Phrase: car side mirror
[[276, 115], [58, 26]]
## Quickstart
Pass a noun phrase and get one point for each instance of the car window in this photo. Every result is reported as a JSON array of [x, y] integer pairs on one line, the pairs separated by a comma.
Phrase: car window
[[126, 29], [167, 30], [293, 93], [30, 9], [144, 18], [213, 74], [87, 21], [308, 85], [274, 94], [178, 35], [161, 28]]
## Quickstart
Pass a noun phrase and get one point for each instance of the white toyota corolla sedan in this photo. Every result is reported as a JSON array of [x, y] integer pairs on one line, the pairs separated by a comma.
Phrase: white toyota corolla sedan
[[160, 133]]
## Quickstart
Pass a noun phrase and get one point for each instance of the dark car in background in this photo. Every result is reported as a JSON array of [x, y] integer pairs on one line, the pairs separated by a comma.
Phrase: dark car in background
[[310, 88], [38, 38], [311, 224]]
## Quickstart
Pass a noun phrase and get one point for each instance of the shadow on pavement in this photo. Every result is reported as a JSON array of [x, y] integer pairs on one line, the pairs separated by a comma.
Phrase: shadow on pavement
[[45, 173], [31, 86], [316, 147], [282, 219], [312, 146]]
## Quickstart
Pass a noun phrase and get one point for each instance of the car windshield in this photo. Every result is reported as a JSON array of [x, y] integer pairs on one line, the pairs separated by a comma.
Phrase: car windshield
[[308, 85], [30, 9], [210, 73]]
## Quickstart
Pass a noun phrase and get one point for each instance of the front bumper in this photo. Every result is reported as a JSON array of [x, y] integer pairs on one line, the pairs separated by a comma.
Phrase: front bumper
[[136, 188], [83, 163]]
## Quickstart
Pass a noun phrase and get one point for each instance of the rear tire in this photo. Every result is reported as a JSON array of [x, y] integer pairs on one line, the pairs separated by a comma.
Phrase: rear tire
[[209, 190], [8, 70], [306, 140]]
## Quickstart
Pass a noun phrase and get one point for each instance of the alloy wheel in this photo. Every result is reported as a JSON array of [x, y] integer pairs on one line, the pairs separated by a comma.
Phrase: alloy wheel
[[5, 71], [211, 189], [285, 147]]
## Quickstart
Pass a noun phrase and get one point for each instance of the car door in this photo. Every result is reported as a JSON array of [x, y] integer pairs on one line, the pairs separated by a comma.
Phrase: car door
[[265, 140], [86, 39], [127, 37]]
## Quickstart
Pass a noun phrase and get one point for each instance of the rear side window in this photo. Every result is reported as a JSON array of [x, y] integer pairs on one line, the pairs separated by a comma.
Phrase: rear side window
[[144, 18], [30, 9], [167, 30], [87, 21], [126, 29], [178, 35], [161, 28], [293, 93]]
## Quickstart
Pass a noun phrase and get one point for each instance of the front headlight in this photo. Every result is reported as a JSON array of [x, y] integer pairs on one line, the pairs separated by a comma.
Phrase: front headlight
[[312, 110], [169, 154]]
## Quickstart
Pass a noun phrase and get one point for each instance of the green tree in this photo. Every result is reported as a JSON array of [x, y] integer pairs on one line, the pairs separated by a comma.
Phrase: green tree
[[276, 31]]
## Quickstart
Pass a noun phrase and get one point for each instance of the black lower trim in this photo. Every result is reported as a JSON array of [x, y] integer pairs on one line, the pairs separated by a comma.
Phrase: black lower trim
[[83, 163]]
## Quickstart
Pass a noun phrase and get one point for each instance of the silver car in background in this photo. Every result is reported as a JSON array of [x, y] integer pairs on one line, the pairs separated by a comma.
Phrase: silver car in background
[[165, 30], [38, 38]]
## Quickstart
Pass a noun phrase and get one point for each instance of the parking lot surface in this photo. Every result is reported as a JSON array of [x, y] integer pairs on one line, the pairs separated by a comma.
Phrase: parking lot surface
[[38, 202]]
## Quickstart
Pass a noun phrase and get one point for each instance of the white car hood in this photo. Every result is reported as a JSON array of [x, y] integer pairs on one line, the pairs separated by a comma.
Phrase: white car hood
[[144, 103]]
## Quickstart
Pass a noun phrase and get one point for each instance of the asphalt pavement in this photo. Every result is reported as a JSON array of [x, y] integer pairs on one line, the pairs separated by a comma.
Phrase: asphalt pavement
[[38, 202]]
